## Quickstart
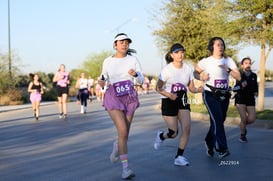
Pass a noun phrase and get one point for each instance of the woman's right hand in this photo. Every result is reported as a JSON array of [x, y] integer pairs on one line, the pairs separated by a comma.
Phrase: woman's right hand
[[173, 96]]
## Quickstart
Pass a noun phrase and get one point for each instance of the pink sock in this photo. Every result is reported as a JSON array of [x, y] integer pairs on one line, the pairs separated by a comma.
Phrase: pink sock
[[124, 160]]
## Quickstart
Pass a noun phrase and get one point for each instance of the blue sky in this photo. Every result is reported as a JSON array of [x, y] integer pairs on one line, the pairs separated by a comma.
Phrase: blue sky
[[46, 33]]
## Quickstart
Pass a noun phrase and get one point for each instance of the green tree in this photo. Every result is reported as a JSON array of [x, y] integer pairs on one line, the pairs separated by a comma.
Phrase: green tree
[[91, 66], [4, 74], [193, 23], [23, 81], [268, 74], [5, 82], [254, 19]]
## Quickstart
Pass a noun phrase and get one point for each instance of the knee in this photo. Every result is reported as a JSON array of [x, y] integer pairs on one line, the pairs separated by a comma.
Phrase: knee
[[171, 133], [243, 118], [251, 119]]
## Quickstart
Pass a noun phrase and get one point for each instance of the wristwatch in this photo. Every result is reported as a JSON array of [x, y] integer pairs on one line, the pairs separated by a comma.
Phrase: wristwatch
[[229, 70]]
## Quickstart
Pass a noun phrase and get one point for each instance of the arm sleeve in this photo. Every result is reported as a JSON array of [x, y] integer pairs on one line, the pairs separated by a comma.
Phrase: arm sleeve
[[140, 77]]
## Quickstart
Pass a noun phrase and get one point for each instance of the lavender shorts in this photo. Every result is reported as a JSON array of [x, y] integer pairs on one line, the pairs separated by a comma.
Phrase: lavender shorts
[[34, 97], [126, 103]]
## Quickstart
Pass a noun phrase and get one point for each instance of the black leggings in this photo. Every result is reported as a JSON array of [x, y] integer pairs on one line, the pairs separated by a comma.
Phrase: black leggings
[[216, 136], [83, 96]]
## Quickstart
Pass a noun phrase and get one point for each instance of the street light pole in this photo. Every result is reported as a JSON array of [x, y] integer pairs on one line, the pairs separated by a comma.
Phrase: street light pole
[[123, 24], [10, 75]]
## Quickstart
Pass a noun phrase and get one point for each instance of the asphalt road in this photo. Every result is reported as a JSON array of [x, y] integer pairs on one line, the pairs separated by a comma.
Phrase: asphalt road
[[53, 149]]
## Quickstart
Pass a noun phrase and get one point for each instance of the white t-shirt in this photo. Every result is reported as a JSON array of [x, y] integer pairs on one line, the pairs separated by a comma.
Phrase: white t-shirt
[[83, 83], [172, 75], [116, 69], [62, 82], [90, 82], [218, 76]]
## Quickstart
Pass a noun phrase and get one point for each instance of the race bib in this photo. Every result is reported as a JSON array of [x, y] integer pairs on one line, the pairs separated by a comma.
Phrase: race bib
[[178, 87], [221, 84], [123, 88]]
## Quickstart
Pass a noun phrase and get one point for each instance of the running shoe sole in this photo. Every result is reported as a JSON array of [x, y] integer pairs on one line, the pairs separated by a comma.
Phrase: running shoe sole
[[224, 154]]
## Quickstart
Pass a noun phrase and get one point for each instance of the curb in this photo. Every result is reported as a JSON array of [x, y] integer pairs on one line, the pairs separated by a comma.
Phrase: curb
[[23, 106], [266, 124], [235, 121]]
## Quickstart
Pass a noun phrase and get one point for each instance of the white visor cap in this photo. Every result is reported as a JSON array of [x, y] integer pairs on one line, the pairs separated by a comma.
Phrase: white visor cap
[[123, 37]]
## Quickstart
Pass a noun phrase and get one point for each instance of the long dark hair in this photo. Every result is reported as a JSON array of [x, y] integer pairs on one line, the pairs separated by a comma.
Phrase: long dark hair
[[211, 43], [31, 76], [130, 51]]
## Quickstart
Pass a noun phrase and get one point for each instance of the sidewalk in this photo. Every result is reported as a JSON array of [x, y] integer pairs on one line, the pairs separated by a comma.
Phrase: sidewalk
[[22, 106]]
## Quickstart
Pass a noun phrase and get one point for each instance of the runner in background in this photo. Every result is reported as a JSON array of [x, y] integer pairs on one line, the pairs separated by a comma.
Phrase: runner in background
[[35, 88], [61, 78], [246, 91], [82, 85]]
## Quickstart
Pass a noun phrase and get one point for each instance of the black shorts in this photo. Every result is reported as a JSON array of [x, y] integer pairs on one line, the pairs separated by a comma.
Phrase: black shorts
[[61, 91], [246, 100], [171, 108]]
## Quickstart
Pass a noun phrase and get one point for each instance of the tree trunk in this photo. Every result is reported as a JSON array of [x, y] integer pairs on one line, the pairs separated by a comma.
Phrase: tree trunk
[[260, 105]]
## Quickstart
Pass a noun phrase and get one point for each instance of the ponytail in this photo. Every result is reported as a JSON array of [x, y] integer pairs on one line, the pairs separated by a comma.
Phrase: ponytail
[[130, 51], [31, 75]]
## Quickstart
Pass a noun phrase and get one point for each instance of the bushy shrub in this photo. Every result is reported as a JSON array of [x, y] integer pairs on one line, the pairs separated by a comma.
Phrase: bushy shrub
[[14, 94], [73, 91], [50, 95], [12, 97]]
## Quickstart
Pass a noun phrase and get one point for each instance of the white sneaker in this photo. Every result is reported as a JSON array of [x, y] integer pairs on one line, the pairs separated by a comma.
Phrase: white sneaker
[[114, 155], [127, 173], [181, 161], [82, 110], [158, 141], [61, 115]]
